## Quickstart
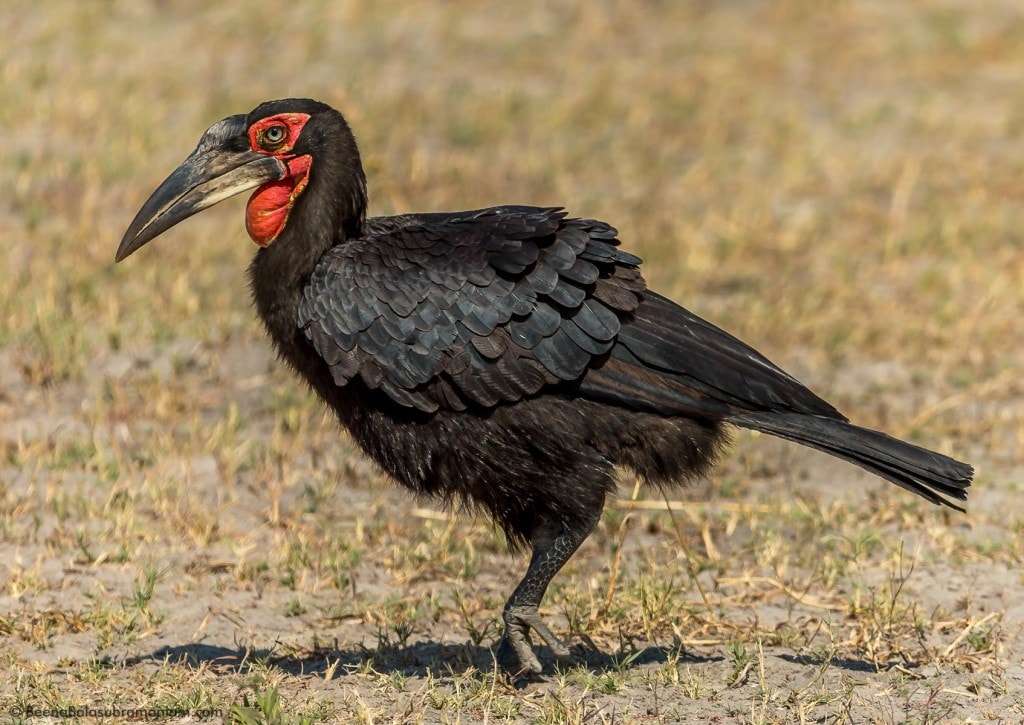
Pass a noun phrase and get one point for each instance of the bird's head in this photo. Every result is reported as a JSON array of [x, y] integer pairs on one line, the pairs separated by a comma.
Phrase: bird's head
[[282, 149]]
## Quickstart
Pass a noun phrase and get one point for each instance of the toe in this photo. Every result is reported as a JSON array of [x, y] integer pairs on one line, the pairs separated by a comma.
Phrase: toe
[[516, 656]]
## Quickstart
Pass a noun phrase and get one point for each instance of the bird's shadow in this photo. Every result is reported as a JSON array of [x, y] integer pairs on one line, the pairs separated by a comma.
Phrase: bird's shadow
[[427, 658], [843, 663], [418, 659]]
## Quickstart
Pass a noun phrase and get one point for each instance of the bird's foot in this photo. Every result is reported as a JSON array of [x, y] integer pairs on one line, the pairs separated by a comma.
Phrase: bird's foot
[[515, 651]]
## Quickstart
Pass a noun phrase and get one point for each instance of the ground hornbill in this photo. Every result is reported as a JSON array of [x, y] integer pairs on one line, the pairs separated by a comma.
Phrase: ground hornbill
[[507, 359]]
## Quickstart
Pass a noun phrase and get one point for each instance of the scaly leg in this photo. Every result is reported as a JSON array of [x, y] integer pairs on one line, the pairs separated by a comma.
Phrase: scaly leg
[[552, 546]]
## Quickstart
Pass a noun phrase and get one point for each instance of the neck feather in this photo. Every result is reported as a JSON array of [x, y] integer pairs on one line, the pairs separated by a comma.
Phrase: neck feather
[[330, 211]]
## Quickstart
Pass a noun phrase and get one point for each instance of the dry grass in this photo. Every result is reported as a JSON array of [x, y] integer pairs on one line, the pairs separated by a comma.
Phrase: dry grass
[[838, 183]]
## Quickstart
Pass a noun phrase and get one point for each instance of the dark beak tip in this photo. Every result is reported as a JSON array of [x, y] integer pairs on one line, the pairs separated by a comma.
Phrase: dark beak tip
[[202, 180], [128, 246]]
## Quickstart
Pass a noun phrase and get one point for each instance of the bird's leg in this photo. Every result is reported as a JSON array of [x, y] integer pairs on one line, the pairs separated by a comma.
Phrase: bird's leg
[[552, 545]]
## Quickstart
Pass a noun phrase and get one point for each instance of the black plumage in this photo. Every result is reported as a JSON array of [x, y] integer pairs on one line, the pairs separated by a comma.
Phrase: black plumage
[[506, 359]]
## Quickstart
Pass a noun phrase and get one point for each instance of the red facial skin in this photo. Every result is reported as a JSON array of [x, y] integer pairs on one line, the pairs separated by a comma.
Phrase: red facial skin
[[269, 206]]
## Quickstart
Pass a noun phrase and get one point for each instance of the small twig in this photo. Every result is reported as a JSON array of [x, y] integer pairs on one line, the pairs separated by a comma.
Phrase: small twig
[[666, 505], [433, 515], [960, 637], [616, 561], [802, 598], [690, 566]]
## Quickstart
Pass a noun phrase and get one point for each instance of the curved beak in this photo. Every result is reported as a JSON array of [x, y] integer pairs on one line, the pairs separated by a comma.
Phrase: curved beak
[[221, 166]]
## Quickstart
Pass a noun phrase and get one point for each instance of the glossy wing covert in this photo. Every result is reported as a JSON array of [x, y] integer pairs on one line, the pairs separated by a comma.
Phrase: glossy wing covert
[[445, 311]]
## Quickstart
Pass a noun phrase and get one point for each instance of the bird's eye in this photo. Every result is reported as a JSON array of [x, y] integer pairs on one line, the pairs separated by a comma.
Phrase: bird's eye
[[273, 136]]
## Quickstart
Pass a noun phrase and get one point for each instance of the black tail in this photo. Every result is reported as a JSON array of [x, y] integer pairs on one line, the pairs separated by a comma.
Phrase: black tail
[[926, 473]]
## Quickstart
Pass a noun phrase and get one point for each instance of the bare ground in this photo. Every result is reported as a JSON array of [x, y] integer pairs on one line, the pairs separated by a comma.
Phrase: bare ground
[[812, 591]]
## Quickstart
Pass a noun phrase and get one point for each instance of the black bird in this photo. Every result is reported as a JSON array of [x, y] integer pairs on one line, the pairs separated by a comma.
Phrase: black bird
[[506, 359]]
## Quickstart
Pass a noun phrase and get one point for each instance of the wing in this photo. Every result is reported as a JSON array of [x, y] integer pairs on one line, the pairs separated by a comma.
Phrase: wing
[[455, 310], [670, 361]]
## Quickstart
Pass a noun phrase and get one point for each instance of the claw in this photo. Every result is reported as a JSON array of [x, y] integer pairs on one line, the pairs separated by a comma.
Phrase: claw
[[515, 655], [515, 651]]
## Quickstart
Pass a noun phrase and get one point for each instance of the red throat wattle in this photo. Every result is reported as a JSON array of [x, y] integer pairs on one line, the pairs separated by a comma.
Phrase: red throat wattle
[[269, 206]]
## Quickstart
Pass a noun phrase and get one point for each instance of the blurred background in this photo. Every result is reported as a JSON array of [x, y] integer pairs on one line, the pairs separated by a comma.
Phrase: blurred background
[[837, 183], [830, 181]]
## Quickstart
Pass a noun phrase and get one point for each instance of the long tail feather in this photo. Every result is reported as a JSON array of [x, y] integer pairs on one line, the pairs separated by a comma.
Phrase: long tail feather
[[932, 475]]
